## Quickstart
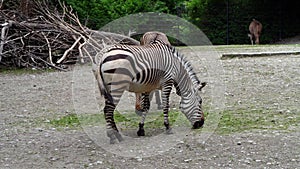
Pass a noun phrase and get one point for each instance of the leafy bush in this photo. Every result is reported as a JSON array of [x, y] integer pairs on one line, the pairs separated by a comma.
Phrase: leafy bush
[[97, 13]]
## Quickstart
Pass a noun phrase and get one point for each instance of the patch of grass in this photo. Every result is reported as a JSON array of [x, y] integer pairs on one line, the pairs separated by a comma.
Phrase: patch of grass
[[232, 121], [128, 120], [153, 119], [242, 120], [70, 120]]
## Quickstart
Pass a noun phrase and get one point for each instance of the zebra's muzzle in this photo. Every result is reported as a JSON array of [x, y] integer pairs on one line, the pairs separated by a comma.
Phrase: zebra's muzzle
[[198, 124]]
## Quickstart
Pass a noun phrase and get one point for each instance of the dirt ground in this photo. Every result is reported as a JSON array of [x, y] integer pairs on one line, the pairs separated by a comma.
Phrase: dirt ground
[[29, 101]]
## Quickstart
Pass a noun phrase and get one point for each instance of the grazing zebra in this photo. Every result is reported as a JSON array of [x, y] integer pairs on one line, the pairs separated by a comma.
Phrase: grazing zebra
[[146, 39], [141, 69]]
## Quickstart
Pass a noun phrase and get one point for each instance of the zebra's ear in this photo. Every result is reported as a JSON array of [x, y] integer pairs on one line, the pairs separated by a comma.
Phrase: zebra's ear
[[201, 85]]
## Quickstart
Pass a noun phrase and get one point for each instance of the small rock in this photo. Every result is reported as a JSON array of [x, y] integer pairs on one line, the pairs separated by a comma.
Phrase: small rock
[[39, 129], [181, 142], [239, 143], [251, 142], [247, 161], [99, 162], [54, 159], [139, 159], [187, 160]]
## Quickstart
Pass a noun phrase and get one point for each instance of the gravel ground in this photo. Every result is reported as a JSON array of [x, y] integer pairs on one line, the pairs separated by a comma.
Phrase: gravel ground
[[29, 101]]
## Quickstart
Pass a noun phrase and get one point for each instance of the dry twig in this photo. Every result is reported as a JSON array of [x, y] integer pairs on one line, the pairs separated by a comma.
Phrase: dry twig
[[50, 38]]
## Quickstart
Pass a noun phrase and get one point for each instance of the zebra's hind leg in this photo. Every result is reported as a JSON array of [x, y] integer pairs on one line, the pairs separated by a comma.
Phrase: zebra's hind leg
[[146, 106], [111, 128], [166, 90]]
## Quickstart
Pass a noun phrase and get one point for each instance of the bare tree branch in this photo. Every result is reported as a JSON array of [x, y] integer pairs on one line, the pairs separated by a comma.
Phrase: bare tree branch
[[50, 38]]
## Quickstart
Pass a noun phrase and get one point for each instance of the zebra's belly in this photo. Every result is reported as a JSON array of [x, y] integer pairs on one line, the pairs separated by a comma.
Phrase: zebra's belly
[[141, 88]]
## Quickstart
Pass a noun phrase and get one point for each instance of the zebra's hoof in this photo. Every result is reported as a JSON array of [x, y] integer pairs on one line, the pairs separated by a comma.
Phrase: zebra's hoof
[[113, 140], [141, 132], [169, 131], [114, 136], [119, 137]]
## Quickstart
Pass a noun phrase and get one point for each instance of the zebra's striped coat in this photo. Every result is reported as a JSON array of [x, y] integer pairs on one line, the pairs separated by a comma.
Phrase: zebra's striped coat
[[146, 39], [142, 69]]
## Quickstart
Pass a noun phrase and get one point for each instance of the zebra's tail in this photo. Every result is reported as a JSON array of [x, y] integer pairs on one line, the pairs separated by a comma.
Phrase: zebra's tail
[[102, 88]]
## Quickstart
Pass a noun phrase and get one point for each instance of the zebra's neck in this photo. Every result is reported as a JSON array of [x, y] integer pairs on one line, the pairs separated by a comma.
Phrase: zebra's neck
[[187, 66], [183, 83], [186, 77]]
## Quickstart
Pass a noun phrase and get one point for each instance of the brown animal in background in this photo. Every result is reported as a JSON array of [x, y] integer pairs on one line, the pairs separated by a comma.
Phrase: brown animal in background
[[255, 29], [151, 37]]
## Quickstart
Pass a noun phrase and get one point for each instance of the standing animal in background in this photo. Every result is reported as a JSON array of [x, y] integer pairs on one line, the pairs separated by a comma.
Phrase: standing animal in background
[[146, 39], [142, 69], [255, 29], [151, 37]]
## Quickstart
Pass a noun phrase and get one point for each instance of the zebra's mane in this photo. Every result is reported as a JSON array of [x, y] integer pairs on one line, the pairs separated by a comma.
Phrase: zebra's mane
[[185, 63], [187, 66]]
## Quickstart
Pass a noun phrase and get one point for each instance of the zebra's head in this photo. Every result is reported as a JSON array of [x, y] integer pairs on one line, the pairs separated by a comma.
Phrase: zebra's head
[[191, 106]]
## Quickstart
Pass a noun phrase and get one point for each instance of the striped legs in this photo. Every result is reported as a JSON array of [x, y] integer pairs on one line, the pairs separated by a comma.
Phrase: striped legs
[[138, 101], [145, 108], [145, 101], [111, 128], [138, 104], [166, 90], [158, 99]]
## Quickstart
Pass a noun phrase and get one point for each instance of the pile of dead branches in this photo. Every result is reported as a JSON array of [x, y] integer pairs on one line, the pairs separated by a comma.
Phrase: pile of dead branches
[[49, 38]]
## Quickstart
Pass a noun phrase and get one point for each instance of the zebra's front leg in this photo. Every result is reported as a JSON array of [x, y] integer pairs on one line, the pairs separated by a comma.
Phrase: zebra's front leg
[[111, 128], [146, 106], [165, 100]]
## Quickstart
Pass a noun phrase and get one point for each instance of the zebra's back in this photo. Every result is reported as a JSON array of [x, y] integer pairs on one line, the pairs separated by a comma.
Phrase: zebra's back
[[136, 68]]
